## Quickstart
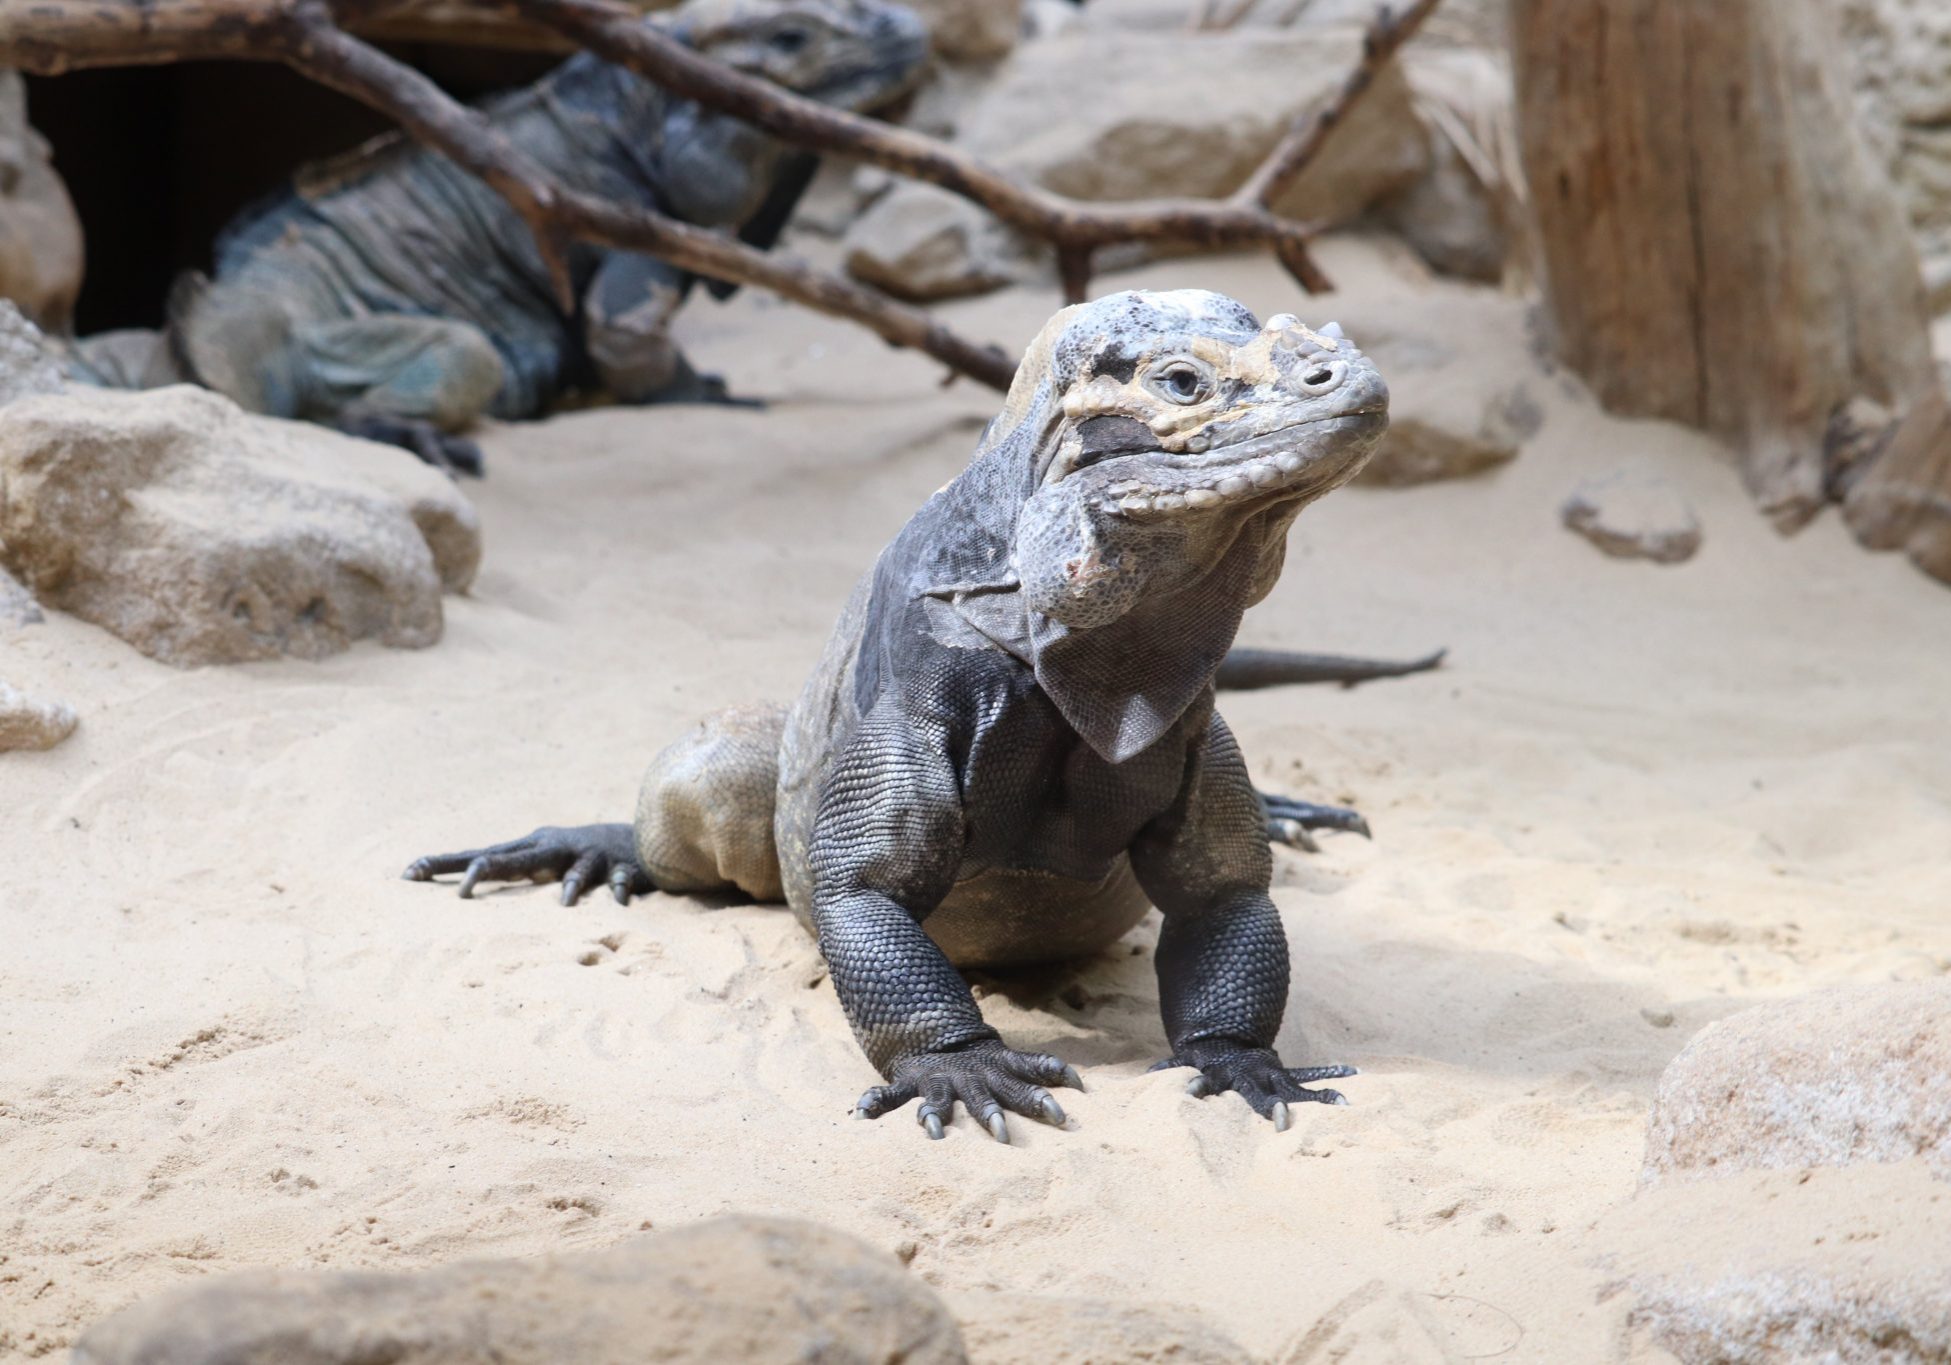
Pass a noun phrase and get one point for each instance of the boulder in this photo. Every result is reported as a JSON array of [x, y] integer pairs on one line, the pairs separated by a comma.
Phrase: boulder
[[1631, 515], [29, 723], [1851, 1074], [758, 1289], [40, 236], [1080, 113], [203, 534], [28, 364]]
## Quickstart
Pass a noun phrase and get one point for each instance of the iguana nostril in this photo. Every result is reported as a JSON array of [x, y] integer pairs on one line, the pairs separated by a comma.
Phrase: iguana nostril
[[1316, 378]]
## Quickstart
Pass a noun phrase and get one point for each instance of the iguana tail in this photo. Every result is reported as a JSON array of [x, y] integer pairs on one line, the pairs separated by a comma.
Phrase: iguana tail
[[1246, 669]]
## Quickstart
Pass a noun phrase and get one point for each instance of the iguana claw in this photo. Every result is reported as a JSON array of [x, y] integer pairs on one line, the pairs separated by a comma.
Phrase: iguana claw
[[986, 1077]]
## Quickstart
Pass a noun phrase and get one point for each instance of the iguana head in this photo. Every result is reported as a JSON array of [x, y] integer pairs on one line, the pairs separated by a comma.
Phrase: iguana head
[[1132, 500], [1174, 423], [855, 54]]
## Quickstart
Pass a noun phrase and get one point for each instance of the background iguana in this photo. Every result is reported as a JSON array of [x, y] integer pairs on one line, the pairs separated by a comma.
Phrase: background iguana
[[394, 295], [1009, 748]]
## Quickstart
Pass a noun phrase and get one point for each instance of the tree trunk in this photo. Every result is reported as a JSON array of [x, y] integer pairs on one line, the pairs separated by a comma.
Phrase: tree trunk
[[1720, 249]]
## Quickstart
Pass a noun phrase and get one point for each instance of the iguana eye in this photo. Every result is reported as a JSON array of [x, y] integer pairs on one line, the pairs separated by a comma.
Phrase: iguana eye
[[1179, 382], [789, 40]]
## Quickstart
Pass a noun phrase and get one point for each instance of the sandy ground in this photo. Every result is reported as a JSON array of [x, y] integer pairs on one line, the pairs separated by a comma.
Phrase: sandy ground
[[1638, 798]]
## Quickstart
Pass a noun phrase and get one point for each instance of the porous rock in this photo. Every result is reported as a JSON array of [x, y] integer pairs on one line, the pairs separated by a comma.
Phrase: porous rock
[[202, 534], [745, 1289], [1633, 515], [29, 723], [1079, 113], [1840, 1076], [40, 235]]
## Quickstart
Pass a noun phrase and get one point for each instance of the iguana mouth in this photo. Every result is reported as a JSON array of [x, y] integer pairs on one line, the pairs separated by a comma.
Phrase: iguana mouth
[[1147, 484]]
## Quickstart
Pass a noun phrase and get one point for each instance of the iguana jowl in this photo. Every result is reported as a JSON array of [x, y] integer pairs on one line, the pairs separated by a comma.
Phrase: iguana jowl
[[1009, 748], [395, 295]]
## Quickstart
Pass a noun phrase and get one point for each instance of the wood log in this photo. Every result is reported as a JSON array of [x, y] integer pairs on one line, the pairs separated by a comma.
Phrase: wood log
[[1718, 246]]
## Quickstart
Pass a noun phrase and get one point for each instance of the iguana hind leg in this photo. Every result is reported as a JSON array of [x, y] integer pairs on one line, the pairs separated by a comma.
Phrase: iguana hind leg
[[407, 381], [1293, 822], [704, 823]]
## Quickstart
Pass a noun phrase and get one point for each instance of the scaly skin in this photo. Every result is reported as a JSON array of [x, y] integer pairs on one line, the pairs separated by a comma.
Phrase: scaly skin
[[394, 295], [1009, 750]]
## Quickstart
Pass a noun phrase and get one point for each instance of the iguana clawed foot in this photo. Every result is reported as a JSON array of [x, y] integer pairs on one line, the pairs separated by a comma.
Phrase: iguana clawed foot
[[986, 1076], [441, 449], [581, 857], [1256, 1075], [1292, 822]]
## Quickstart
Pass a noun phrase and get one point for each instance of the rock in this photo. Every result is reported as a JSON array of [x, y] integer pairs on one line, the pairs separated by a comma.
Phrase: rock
[[1851, 1074], [1080, 113], [202, 534], [1634, 516], [1449, 417], [26, 723], [970, 30], [1844, 1266], [1057, 1331], [28, 364], [40, 236], [760, 1289]]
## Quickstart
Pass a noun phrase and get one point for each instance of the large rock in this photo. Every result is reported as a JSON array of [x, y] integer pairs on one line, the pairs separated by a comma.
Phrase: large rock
[[1081, 113], [744, 1289], [1852, 1074], [202, 534], [30, 723], [40, 236]]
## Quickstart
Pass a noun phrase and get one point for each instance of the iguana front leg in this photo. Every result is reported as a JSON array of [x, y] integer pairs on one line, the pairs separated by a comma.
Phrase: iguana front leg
[[627, 312], [886, 845], [1222, 954]]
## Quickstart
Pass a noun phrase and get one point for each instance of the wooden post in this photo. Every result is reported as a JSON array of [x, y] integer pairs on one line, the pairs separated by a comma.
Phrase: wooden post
[[1718, 246]]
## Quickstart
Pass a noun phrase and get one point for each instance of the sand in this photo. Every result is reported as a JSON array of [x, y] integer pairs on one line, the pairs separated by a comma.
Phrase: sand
[[1638, 798]]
